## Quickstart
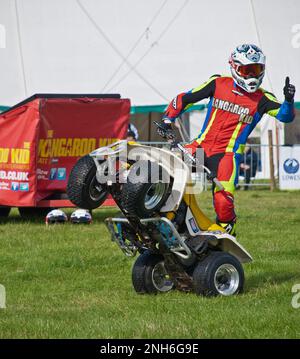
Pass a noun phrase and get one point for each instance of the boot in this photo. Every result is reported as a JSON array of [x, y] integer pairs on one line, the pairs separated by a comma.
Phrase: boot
[[230, 227]]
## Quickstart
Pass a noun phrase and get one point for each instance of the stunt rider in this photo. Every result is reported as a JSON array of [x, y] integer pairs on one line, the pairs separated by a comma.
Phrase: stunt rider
[[237, 103]]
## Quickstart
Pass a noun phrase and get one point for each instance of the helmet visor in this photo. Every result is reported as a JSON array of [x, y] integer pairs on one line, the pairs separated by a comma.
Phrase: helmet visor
[[252, 70]]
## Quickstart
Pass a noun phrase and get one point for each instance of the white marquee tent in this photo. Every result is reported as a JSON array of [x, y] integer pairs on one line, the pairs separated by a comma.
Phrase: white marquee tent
[[146, 50]]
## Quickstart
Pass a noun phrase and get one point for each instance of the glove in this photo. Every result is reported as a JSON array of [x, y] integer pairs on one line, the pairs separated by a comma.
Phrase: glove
[[165, 130], [192, 147], [289, 90]]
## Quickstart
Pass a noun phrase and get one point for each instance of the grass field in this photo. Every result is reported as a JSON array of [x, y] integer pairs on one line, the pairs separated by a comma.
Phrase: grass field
[[73, 282]]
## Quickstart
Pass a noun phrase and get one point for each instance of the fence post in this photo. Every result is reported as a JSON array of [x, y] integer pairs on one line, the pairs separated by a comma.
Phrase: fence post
[[277, 151], [271, 159]]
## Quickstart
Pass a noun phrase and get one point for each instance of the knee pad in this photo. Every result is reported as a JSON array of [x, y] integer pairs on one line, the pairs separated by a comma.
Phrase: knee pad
[[224, 206]]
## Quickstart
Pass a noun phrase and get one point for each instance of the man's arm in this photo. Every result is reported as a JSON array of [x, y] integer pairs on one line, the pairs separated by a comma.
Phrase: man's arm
[[284, 112], [186, 99]]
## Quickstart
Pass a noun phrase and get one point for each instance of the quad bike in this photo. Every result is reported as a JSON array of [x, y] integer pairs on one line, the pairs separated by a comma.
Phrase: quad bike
[[178, 245]]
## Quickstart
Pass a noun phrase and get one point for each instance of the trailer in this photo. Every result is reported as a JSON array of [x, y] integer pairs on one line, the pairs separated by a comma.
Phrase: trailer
[[41, 139]]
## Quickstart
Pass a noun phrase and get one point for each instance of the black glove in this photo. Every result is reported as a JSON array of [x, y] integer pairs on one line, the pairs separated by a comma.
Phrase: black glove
[[165, 130], [289, 90]]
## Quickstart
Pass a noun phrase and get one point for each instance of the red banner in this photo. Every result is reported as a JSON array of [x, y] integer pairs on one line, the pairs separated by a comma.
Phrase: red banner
[[18, 139], [41, 141]]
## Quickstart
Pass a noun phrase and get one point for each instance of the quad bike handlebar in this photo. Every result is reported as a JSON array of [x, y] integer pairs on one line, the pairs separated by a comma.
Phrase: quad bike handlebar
[[170, 136]]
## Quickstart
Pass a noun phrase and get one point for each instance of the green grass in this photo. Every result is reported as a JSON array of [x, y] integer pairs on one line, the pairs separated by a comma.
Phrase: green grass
[[73, 282]]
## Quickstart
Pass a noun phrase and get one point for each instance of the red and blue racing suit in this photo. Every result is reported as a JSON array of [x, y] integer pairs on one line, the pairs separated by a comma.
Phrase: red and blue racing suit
[[231, 116]]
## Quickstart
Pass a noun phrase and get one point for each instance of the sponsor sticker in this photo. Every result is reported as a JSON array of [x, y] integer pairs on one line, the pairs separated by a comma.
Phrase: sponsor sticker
[[61, 174], [52, 173], [14, 186], [194, 226], [24, 187]]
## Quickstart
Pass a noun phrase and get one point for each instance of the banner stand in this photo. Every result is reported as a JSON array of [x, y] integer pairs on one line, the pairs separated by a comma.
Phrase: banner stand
[[289, 167]]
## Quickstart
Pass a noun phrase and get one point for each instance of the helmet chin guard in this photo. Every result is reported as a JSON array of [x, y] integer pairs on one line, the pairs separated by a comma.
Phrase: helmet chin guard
[[250, 85], [247, 66]]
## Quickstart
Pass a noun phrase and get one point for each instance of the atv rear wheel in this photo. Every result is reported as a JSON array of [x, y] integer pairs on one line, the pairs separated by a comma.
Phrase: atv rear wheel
[[83, 188], [149, 274], [141, 197], [219, 273]]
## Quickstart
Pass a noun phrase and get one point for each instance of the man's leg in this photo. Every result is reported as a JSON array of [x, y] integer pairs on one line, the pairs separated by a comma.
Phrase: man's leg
[[223, 199]]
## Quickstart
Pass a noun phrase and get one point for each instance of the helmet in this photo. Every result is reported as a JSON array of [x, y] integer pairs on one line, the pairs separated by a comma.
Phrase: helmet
[[247, 65], [81, 216], [132, 131], [56, 216], [131, 134]]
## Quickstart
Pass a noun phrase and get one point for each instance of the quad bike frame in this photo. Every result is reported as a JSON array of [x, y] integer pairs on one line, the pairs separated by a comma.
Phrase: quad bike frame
[[158, 233]]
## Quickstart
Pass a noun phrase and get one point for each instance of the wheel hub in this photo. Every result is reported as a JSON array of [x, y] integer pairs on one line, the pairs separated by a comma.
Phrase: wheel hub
[[161, 279], [155, 194], [226, 279], [95, 190]]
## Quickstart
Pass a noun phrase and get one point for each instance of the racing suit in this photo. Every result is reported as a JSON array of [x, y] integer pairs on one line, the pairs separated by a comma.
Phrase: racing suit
[[232, 114]]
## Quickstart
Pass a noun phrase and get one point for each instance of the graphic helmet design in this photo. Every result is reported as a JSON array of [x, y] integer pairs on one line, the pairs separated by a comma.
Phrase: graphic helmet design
[[81, 216], [56, 216], [247, 65]]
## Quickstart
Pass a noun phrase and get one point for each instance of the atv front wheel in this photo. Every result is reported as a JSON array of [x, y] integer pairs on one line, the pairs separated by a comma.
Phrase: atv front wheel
[[219, 273], [149, 274], [83, 188], [141, 196]]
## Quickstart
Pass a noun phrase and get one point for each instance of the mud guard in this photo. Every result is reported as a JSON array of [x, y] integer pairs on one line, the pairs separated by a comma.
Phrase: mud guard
[[229, 244]]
